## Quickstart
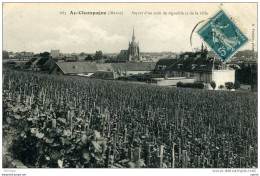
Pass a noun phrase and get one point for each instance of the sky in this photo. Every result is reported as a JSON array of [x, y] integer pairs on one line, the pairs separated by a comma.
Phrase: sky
[[39, 27]]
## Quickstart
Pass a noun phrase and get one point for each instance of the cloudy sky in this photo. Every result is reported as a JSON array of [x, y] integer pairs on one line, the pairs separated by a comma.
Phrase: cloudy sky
[[39, 27]]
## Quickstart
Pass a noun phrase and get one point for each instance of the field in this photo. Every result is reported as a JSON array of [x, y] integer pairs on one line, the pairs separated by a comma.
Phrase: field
[[72, 122]]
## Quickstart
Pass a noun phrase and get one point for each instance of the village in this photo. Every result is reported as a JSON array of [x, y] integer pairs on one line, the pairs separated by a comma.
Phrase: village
[[129, 90], [198, 69]]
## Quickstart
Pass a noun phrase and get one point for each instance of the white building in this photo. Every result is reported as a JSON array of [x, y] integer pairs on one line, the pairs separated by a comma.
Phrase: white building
[[55, 54], [203, 68]]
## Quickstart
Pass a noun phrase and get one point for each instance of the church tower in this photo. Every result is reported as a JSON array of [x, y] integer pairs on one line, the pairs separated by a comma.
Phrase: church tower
[[133, 50]]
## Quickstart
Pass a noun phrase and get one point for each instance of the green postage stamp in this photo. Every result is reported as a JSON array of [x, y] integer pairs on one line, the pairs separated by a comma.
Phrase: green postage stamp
[[222, 35]]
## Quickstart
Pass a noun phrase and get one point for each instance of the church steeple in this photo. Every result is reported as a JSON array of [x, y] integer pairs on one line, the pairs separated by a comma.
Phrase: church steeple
[[133, 37], [133, 50]]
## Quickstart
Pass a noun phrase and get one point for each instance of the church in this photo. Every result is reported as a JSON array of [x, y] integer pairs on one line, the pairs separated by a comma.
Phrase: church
[[133, 52]]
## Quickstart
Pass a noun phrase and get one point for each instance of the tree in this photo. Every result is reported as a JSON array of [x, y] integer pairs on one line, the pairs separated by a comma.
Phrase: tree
[[236, 85], [89, 58], [199, 85], [82, 54], [98, 55], [105, 57], [213, 84], [229, 85], [5, 55], [45, 54], [179, 84], [221, 86]]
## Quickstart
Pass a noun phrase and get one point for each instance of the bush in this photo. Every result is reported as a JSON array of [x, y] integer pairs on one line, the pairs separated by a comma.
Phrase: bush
[[229, 85], [200, 85], [191, 85], [236, 85], [180, 84], [213, 84], [141, 77], [221, 86]]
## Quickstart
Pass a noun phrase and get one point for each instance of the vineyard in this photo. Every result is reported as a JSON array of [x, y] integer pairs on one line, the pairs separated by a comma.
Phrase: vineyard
[[73, 122]]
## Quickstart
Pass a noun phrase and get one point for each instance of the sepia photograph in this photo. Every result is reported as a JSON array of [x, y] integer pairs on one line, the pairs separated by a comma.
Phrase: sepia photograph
[[130, 85]]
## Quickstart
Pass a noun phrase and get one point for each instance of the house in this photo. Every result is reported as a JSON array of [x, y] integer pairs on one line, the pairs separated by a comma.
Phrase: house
[[35, 66], [88, 68], [37, 63], [126, 69], [71, 57], [203, 68], [11, 55], [55, 54], [50, 63], [105, 67], [82, 57], [25, 55], [104, 75], [123, 56], [162, 64], [74, 68]]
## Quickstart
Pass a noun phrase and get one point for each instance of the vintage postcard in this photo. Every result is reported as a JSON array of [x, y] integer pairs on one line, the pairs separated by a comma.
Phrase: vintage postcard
[[130, 85]]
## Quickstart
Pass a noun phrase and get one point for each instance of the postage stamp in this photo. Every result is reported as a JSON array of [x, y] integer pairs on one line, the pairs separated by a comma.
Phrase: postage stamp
[[222, 35]]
